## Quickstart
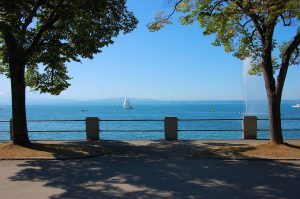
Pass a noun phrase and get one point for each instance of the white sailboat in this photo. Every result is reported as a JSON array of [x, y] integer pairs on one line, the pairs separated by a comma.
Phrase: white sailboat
[[296, 106], [126, 103]]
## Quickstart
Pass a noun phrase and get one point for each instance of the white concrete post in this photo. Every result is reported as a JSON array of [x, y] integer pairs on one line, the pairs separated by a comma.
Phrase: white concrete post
[[171, 128], [92, 128], [250, 127]]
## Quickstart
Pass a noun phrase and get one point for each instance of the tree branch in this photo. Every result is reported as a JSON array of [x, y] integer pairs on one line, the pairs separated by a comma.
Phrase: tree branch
[[297, 53], [253, 17], [9, 38], [284, 22], [28, 20], [215, 6], [4, 27], [251, 38], [291, 48], [243, 25], [285, 63], [174, 10], [49, 22], [14, 51]]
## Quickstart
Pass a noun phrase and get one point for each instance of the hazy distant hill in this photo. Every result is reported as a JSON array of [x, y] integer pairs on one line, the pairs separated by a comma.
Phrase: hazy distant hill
[[7, 101], [4, 100]]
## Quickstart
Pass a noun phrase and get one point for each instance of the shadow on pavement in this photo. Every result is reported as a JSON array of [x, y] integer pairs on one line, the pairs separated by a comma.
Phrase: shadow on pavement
[[162, 170]]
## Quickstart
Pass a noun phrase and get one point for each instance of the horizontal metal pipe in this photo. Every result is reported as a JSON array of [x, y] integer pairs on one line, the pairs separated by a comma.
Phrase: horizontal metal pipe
[[149, 120], [55, 120], [285, 119], [55, 131], [229, 130], [208, 119], [282, 130], [131, 130], [181, 130], [131, 120], [208, 130]]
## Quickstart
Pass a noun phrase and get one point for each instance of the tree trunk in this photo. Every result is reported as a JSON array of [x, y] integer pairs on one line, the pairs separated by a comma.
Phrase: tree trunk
[[274, 99], [275, 118], [18, 86]]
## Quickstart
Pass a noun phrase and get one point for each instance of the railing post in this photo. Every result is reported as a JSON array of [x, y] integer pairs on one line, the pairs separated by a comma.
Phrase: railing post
[[171, 128], [11, 129], [250, 127], [92, 128]]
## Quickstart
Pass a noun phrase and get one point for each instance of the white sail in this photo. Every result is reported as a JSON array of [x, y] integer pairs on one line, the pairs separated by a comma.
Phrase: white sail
[[126, 103]]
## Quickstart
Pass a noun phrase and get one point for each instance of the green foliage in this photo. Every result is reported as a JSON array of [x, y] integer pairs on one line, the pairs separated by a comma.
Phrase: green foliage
[[50, 33], [53, 80], [256, 66], [160, 21], [295, 58], [239, 25]]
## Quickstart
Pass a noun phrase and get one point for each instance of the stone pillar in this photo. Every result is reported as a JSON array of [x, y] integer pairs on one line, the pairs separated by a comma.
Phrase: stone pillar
[[92, 128], [171, 128], [250, 127]]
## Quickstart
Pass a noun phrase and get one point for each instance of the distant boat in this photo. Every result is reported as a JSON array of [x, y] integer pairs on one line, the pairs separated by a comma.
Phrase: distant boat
[[126, 104], [296, 106], [212, 110], [84, 110]]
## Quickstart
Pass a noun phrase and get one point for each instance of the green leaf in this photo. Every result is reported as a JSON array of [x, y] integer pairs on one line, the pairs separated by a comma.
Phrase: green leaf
[[51, 33]]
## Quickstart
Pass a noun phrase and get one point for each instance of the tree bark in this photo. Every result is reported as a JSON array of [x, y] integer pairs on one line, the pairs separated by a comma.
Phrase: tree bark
[[274, 100], [275, 119], [18, 86], [17, 64]]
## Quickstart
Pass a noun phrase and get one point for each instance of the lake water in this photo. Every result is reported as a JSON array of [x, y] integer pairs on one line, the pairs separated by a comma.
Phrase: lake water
[[182, 110]]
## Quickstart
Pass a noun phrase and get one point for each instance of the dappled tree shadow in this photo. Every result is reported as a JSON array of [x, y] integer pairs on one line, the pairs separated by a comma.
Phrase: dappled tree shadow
[[67, 150], [162, 170], [53, 150], [222, 150], [292, 145]]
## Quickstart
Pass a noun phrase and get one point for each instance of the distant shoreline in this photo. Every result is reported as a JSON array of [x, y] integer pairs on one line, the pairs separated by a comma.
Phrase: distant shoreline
[[115, 101]]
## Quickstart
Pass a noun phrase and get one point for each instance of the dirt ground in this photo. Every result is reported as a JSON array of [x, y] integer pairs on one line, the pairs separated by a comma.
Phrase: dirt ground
[[52, 150], [264, 150], [70, 149]]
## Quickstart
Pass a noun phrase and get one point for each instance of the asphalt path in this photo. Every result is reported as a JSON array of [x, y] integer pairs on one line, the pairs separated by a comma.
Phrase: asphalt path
[[149, 169]]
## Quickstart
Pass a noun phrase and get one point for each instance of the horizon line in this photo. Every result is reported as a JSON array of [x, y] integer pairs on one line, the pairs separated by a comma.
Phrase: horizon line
[[72, 101]]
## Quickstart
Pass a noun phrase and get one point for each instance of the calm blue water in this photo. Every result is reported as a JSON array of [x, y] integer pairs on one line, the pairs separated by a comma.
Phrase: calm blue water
[[183, 110]]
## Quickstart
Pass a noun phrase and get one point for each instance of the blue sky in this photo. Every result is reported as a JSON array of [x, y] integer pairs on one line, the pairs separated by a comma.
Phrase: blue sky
[[176, 63]]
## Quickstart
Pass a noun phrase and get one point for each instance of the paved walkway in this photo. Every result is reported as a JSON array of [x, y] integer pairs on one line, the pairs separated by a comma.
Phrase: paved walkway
[[150, 169]]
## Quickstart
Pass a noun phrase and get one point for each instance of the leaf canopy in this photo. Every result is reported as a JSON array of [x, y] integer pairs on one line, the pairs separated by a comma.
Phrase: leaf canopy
[[240, 26], [49, 33]]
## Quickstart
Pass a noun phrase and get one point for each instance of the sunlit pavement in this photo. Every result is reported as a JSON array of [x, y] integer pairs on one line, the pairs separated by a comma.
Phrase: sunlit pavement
[[150, 169]]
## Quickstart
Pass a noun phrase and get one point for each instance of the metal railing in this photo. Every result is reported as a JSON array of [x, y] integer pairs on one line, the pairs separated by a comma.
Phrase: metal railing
[[210, 120], [131, 130], [170, 128], [4, 131], [283, 119]]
